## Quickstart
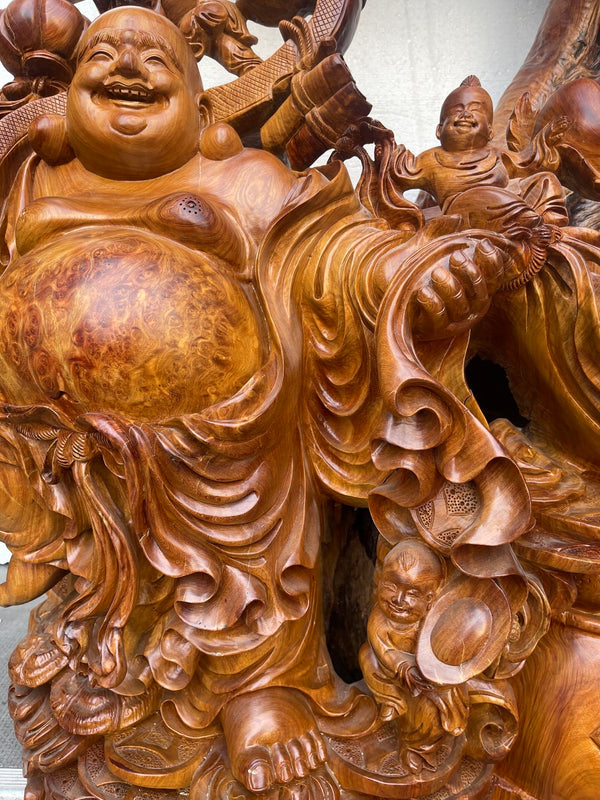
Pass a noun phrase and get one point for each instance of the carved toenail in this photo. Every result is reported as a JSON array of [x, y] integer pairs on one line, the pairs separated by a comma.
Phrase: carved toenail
[[258, 779]]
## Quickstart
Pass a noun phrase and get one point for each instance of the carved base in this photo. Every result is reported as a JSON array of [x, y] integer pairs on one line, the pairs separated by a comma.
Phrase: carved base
[[131, 766], [92, 779], [374, 764]]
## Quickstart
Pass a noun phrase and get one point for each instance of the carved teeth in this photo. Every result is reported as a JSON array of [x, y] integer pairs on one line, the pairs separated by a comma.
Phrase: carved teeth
[[131, 94]]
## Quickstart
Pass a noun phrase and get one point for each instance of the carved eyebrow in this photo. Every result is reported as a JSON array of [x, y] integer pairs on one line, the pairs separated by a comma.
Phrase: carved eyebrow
[[113, 36]]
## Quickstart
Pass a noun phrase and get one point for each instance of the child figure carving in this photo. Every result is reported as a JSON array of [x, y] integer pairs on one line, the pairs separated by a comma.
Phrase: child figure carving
[[411, 577], [512, 194]]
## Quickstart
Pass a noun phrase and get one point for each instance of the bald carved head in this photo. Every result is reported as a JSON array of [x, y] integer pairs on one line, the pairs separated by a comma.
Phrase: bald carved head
[[132, 107], [410, 576], [466, 117]]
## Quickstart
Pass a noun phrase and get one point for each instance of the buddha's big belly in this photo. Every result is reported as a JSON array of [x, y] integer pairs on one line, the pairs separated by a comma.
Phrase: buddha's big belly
[[124, 321]]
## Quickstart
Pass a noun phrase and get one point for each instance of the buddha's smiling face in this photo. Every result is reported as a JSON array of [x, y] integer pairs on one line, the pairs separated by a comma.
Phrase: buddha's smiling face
[[132, 106]]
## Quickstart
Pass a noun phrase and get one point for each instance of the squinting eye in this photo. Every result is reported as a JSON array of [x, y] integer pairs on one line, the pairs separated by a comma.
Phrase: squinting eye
[[100, 55], [155, 60]]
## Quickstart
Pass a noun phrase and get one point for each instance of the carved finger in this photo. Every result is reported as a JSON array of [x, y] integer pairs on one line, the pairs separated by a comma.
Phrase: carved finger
[[311, 756], [558, 128], [319, 746], [518, 232], [325, 48], [471, 279], [298, 757], [282, 763], [451, 292], [491, 261], [310, 751], [433, 316]]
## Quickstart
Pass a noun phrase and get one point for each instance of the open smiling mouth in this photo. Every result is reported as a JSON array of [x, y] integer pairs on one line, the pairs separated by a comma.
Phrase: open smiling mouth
[[400, 610], [132, 95]]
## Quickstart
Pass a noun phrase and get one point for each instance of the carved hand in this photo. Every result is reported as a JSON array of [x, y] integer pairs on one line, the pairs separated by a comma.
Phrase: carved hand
[[458, 297], [415, 680], [554, 131]]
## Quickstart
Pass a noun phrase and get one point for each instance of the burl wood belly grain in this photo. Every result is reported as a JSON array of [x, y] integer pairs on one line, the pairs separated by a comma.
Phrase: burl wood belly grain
[[119, 320]]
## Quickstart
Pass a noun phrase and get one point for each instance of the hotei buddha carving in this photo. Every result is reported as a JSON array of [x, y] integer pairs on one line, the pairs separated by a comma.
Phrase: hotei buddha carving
[[201, 352], [157, 291]]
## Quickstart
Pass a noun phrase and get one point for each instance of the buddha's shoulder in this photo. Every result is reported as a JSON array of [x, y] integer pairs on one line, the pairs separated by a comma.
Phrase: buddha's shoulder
[[250, 167], [254, 183]]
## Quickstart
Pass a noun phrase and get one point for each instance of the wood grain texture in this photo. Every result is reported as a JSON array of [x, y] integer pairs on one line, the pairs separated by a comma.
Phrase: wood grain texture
[[209, 361]]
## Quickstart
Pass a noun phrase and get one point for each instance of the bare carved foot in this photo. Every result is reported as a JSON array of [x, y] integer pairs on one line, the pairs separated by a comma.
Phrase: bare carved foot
[[272, 738]]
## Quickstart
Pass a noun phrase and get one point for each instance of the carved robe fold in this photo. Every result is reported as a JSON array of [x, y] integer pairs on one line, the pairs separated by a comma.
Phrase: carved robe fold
[[194, 539]]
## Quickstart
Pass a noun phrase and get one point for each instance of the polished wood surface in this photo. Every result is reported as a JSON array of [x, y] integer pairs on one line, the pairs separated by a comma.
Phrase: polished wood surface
[[292, 541]]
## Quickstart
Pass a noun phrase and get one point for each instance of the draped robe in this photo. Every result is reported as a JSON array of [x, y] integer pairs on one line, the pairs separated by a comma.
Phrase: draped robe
[[194, 540]]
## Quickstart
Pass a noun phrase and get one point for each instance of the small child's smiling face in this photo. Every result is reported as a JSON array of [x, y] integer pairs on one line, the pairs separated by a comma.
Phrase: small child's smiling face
[[410, 578], [466, 120], [403, 598]]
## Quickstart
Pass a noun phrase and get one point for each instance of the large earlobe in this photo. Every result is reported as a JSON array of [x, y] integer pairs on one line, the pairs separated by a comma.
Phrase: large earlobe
[[220, 141], [491, 136], [206, 117], [438, 131], [49, 139]]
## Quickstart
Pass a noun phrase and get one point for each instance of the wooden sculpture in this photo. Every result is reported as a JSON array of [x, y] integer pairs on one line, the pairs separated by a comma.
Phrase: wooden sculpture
[[212, 365]]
